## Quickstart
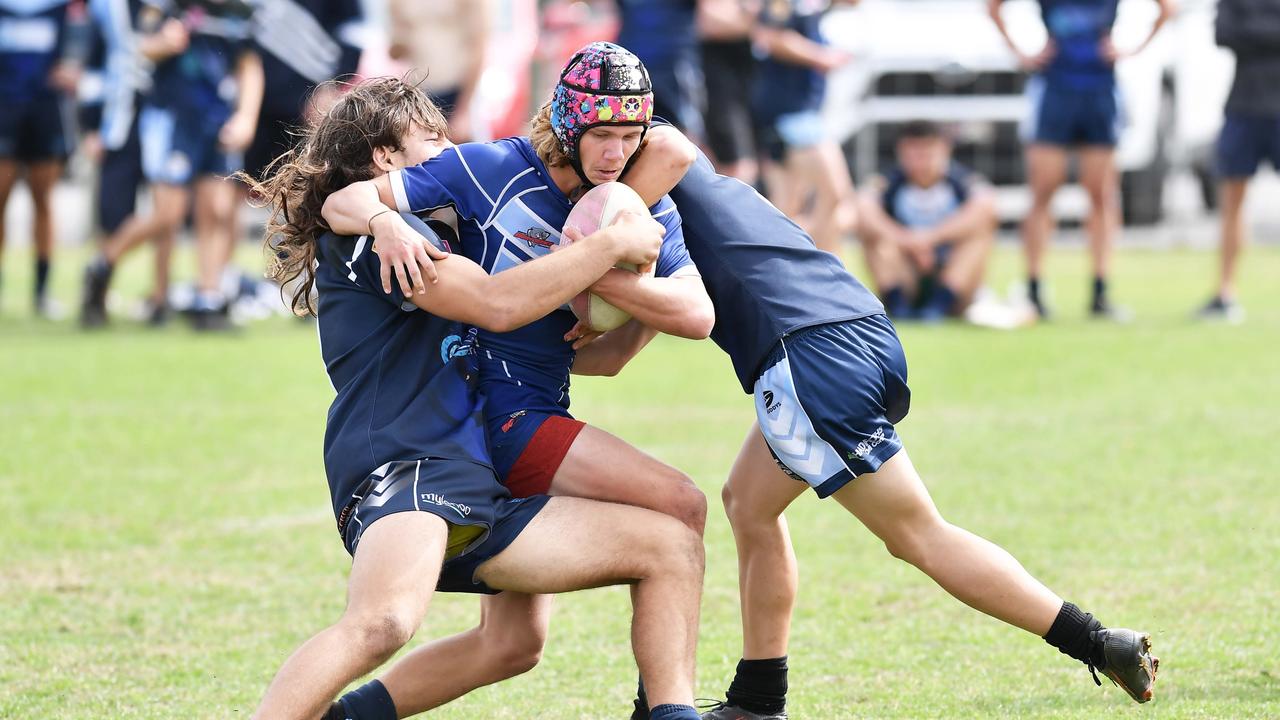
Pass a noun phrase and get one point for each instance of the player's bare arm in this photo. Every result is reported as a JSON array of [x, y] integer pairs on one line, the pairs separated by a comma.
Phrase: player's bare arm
[[508, 300], [662, 161], [354, 210], [613, 350], [676, 305]]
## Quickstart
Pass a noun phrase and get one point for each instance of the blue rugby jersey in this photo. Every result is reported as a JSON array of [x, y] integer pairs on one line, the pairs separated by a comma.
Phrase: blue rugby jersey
[[782, 88], [405, 379], [662, 33], [765, 276], [32, 33], [197, 82], [509, 212], [1077, 27], [920, 207]]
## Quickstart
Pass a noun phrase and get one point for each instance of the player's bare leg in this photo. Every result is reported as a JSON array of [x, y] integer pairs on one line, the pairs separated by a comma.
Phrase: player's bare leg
[[1223, 304], [9, 171], [513, 627], [755, 496], [570, 545], [214, 198], [1046, 171], [601, 466], [1101, 181], [41, 178], [574, 544], [818, 171], [507, 642], [967, 265], [894, 504], [393, 576]]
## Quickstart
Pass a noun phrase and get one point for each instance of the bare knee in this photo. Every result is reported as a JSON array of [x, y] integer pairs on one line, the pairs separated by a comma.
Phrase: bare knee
[[690, 504], [380, 633], [914, 538], [513, 653]]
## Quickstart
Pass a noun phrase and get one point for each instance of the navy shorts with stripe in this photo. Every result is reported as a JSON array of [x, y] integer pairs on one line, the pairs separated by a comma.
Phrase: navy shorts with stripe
[[178, 148], [35, 131], [829, 398], [1246, 141], [483, 517], [1069, 117]]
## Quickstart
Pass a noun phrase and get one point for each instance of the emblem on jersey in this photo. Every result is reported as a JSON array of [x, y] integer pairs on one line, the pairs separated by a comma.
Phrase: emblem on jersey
[[866, 446], [453, 347], [511, 421], [535, 237]]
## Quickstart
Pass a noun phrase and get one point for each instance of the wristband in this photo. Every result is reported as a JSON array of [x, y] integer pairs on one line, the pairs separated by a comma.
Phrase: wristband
[[369, 223]]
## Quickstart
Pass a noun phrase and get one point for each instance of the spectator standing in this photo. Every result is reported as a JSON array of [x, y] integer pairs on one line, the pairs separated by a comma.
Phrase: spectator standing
[[1250, 131], [813, 186], [728, 69], [446, 41], [1076, 107], [664, 35], [40, 60]]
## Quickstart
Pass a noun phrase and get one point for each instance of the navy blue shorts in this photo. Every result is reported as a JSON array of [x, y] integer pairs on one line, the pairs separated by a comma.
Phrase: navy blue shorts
[[528, 447], [177, 149], [35, 131], [829, 398], [1070, 117], [483, 517], [118, 182], [1246, 141]]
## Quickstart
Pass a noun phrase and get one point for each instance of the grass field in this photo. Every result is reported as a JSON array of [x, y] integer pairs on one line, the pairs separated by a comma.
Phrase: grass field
[[167, 540]]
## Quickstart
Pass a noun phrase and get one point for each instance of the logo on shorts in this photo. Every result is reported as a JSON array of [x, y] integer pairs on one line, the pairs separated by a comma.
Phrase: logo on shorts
[[866, 446], [511, 421], [535, 237], [769, 405], [434, 499]]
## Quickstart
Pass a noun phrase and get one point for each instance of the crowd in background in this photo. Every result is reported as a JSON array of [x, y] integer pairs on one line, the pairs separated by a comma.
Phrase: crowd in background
[[172, 98]]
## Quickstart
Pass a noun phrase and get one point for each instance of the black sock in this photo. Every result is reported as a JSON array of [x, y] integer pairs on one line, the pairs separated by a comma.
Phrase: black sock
[[942, 299], [370, 701], [1099, 291], [1070, 634], [642, 702], [760, 686], [42, 277], [1033, 290], [895, 302]]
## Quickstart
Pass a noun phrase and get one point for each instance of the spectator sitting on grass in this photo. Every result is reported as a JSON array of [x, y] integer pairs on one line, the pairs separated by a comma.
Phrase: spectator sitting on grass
[[927, 229]]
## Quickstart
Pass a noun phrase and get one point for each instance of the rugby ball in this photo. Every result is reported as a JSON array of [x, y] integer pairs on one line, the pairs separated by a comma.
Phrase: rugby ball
[[598, 208]]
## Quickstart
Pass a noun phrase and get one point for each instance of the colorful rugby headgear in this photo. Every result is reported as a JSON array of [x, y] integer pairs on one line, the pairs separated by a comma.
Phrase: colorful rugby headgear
[[603, 84]]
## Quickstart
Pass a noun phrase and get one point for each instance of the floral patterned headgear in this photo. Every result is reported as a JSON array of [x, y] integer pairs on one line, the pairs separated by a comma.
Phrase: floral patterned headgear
[[603, 84]]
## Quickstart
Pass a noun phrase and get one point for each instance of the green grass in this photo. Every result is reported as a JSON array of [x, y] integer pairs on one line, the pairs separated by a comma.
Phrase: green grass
[[166, 538]]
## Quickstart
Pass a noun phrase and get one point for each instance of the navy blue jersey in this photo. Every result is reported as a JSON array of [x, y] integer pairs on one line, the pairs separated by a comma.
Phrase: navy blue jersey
[[509, 212], [661, 33], [405, 378], [765, 276], [782, 88], [32, 33], [923, 207], [1077, 28], [197, 83]]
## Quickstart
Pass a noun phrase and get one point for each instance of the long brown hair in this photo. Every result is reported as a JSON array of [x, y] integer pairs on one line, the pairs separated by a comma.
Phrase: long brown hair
[[334, 152], [545, 143]]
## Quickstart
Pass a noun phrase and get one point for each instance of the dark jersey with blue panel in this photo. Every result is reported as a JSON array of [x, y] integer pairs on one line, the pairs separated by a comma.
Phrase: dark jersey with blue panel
[[405, 379], [782, 88], [765, 276], [194, 83], [1077, 28], [922, 207], [32, 35], [305, 43], [509, 212]]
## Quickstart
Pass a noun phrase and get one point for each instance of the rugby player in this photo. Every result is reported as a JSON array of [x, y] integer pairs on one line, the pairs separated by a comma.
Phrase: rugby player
[[1075, 107], [512, 197], [418, 504], [39, 65]]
